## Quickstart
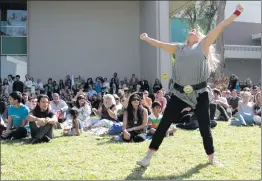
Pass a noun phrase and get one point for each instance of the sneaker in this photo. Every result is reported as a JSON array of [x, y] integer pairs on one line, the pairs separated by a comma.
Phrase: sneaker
[[117, 138], [46, 139], [212, 160], [146, 160], [12, 138]]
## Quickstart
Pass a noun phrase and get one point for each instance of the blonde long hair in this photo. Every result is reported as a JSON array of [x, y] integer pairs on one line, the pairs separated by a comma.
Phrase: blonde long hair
[[109, 100], [213, 58]]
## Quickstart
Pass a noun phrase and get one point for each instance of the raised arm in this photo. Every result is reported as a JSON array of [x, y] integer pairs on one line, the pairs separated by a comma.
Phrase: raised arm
[[213, 34], [169, 47]]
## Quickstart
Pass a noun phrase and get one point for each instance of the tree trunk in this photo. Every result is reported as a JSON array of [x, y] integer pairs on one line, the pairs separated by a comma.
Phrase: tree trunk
[[220, 40]]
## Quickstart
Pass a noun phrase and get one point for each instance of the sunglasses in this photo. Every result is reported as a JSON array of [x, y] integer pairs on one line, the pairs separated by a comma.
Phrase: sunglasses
[[135, 99]]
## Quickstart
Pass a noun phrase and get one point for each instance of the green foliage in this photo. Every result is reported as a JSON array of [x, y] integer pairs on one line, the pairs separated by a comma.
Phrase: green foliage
[[173, 59], [201, 13]]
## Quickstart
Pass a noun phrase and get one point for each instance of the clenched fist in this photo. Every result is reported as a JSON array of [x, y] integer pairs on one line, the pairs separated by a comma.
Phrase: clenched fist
[[143, 36], [239, 8]]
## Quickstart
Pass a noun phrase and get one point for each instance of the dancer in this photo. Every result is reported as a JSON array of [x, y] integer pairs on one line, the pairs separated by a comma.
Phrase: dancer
[[194, 62]]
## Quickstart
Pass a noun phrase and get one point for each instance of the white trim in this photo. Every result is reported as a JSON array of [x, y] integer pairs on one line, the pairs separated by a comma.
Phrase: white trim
[[243, 47], [1, 45], [14, 26], [13, 54], [158, 37], [27, 32], [13, 36]]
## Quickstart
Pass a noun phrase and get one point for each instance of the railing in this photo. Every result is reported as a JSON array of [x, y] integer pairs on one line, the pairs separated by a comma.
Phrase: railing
[[248, 48], [243, 48], [242, 51]]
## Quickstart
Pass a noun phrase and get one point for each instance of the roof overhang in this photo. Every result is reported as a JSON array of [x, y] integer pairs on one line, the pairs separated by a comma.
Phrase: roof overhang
[[176, 6]]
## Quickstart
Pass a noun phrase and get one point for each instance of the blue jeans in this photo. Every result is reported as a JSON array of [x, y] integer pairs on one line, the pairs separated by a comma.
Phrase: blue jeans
[[243, 119]]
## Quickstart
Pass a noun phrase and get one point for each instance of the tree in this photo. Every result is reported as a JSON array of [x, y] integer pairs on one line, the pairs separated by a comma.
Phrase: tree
[[208, 12], [220, 40], [200, 13], [190, 15]]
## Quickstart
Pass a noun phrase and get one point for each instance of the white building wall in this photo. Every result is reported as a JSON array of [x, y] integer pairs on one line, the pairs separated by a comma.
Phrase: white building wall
[[87, 38]]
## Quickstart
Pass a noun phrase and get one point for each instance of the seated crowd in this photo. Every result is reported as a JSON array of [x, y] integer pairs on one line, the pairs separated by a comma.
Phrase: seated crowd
[[127, 109]]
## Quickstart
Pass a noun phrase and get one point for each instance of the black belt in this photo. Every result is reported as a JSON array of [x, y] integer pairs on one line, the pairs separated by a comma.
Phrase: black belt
[[189, 88]]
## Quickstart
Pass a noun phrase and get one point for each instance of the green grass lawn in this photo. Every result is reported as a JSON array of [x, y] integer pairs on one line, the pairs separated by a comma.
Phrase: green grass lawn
[[180, 157]]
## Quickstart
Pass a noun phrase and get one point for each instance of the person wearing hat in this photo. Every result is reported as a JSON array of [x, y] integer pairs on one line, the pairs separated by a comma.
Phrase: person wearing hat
[[221, 105]]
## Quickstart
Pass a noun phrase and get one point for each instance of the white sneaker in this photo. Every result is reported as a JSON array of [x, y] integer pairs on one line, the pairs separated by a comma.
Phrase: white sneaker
[[146, 160], [212, 160]]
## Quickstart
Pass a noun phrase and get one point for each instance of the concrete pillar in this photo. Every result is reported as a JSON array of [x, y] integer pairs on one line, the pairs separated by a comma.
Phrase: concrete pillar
[[164, 64]]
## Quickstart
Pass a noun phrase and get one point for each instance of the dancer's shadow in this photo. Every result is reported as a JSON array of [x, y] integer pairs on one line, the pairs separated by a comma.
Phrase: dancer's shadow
[[18, 141], [106, 142], [137, 174]]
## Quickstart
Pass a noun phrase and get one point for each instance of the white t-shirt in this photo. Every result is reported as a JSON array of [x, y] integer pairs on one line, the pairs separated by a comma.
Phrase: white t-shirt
[[2, 121], [40, 85], [107, 86], [28, 83]]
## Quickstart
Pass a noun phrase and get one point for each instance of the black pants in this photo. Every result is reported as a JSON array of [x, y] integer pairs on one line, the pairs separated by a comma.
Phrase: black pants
[[172, 112], [2, 128], [41, 131], [17, 133], [61, 120], [135, 137]]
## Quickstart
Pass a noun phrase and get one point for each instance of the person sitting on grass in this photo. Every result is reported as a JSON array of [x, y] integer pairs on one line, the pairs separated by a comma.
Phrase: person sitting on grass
[[154, 119], [245, 114], [134, 121], [257, 109], [32, 103], [189, 121], [42, 121], [84, 110], [59, 107], [106, 113], [17, 126], [220, 103], [76, 129]]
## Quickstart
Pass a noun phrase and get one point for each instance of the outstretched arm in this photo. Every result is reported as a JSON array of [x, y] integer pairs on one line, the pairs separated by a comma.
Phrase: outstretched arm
[[169, 47], [213, 34]]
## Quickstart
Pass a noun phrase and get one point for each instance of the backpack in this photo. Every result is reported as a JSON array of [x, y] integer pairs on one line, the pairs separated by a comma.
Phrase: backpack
[[116, 128]]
